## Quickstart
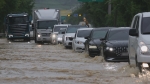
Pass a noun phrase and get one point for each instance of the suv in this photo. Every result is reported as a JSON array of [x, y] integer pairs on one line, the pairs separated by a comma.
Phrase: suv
[[139, 42], [53, 36]]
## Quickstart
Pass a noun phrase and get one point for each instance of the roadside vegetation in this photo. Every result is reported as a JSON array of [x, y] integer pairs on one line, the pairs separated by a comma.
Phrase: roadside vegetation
[[122, 12]]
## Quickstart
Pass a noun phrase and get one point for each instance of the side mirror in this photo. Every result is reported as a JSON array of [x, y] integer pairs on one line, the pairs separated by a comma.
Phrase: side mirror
[[86, 37], [133, 32]]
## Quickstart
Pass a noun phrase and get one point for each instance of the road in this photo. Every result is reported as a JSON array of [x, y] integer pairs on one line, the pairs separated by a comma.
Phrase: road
[[30, 63]]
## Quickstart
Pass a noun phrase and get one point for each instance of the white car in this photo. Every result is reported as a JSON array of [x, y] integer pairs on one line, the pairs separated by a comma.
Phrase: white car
[[78, 41], [60, 35], [53, 36], [69, 34], [139, 42]]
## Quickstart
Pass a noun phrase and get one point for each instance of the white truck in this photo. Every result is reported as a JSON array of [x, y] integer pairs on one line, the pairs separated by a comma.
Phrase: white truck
[[44, 21], [139, 42]]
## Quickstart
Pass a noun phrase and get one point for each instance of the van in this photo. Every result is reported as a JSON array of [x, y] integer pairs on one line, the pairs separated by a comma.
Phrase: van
[[139, 41]]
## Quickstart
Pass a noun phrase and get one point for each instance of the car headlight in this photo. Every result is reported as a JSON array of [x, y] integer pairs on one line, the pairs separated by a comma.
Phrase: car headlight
[[110, 49], [59, 38], [39, 35], [27, 35], [78, 42], [92, 46], [53, 36], [10, 36], [144, 48]]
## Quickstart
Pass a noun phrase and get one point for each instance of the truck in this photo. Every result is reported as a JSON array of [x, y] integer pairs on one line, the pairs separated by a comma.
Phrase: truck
[[43, 23], [17, 26]]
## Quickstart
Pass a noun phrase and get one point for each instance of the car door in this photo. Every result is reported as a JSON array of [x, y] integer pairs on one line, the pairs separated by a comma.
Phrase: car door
[[133, 40], [103, 43]]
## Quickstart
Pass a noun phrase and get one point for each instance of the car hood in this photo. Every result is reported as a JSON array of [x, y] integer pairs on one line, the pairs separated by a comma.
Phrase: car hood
[[70, 34], [117, 43], [80, 39]]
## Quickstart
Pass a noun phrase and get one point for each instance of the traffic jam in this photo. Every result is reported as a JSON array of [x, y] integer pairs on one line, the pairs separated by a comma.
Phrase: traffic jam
[[69, 54]]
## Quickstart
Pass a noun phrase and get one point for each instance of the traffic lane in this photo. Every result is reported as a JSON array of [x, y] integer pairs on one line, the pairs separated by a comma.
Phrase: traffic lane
[[23, 62]]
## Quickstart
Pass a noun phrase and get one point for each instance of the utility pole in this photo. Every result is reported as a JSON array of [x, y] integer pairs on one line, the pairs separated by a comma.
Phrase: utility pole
[[109, 7]]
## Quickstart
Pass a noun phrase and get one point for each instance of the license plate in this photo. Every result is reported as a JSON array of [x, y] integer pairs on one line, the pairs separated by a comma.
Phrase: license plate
[[124, 54]]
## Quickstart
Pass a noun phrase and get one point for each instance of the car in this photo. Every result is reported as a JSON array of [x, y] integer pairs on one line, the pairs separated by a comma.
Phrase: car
[[139, 42], [78, 41], [93, 41], [115, 44], [60, 35], [53, 36], [70, 33]]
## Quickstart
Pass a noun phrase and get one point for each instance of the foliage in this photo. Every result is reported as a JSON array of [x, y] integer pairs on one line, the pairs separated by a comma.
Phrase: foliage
[[122, 12], [14, 6]]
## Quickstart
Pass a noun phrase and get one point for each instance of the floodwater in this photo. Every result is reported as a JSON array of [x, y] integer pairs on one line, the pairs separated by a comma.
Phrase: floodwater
[[30, 63]]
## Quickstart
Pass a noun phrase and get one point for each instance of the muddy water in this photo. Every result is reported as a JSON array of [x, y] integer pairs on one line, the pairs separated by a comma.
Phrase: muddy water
[[30, 63]]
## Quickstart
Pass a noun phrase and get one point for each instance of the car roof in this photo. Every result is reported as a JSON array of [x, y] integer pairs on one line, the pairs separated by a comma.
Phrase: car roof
[[77, 26], [146, 14], [103, 28], [85, 29], [121, 28]]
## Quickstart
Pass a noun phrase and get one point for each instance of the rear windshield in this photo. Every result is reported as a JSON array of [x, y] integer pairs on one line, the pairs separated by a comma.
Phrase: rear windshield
[[145, 28], [99, 34], [73, 29], [119, 34], [57, 28], [83, 33]]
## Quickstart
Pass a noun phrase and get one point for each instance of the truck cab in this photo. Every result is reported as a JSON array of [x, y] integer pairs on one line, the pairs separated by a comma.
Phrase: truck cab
[[44, 21], [17, 26]]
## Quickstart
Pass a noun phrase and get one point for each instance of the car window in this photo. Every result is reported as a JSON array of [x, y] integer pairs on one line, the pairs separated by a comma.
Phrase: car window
[[83, 33], [145, 28], [73, 29], [118, 34], [57, 28], [99, 34]]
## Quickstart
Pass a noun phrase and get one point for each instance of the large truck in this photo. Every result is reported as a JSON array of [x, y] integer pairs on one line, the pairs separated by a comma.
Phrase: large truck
[[17, 26], [43, 22]]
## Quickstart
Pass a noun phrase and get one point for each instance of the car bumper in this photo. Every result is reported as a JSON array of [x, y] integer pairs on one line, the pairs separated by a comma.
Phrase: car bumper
[[43, 39], [143, 58], [68, 43], [112, 56], [79, 47], [94, 52]]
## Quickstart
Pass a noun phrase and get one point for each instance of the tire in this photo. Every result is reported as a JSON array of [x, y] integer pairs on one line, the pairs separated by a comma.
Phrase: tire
[[35, 40]]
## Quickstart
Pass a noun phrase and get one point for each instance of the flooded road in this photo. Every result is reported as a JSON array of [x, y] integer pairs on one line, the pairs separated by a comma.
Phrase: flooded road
[[30, 63]]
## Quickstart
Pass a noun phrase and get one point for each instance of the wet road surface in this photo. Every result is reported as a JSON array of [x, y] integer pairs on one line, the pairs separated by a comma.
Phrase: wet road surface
[[30, 63]]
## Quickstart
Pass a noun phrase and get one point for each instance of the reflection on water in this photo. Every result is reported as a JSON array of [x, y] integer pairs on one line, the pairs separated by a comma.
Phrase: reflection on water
[[111, 67], [39, 46]]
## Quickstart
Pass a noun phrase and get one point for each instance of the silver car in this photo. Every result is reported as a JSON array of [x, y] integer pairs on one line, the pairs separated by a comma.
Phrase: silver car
[[78, 41], [53, 36], [60, 35], [70, 34]]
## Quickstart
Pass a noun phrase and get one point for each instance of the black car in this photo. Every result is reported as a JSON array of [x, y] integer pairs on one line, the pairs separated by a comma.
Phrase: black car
[[114, 45], [92, 44]]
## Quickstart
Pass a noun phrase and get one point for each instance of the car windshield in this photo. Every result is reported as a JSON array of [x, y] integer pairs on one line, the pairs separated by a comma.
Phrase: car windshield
[[57, 28], [98, 34], [145, 25], [119, 34], [47, 24], [18, 20], [73, 29], [83, 33]]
